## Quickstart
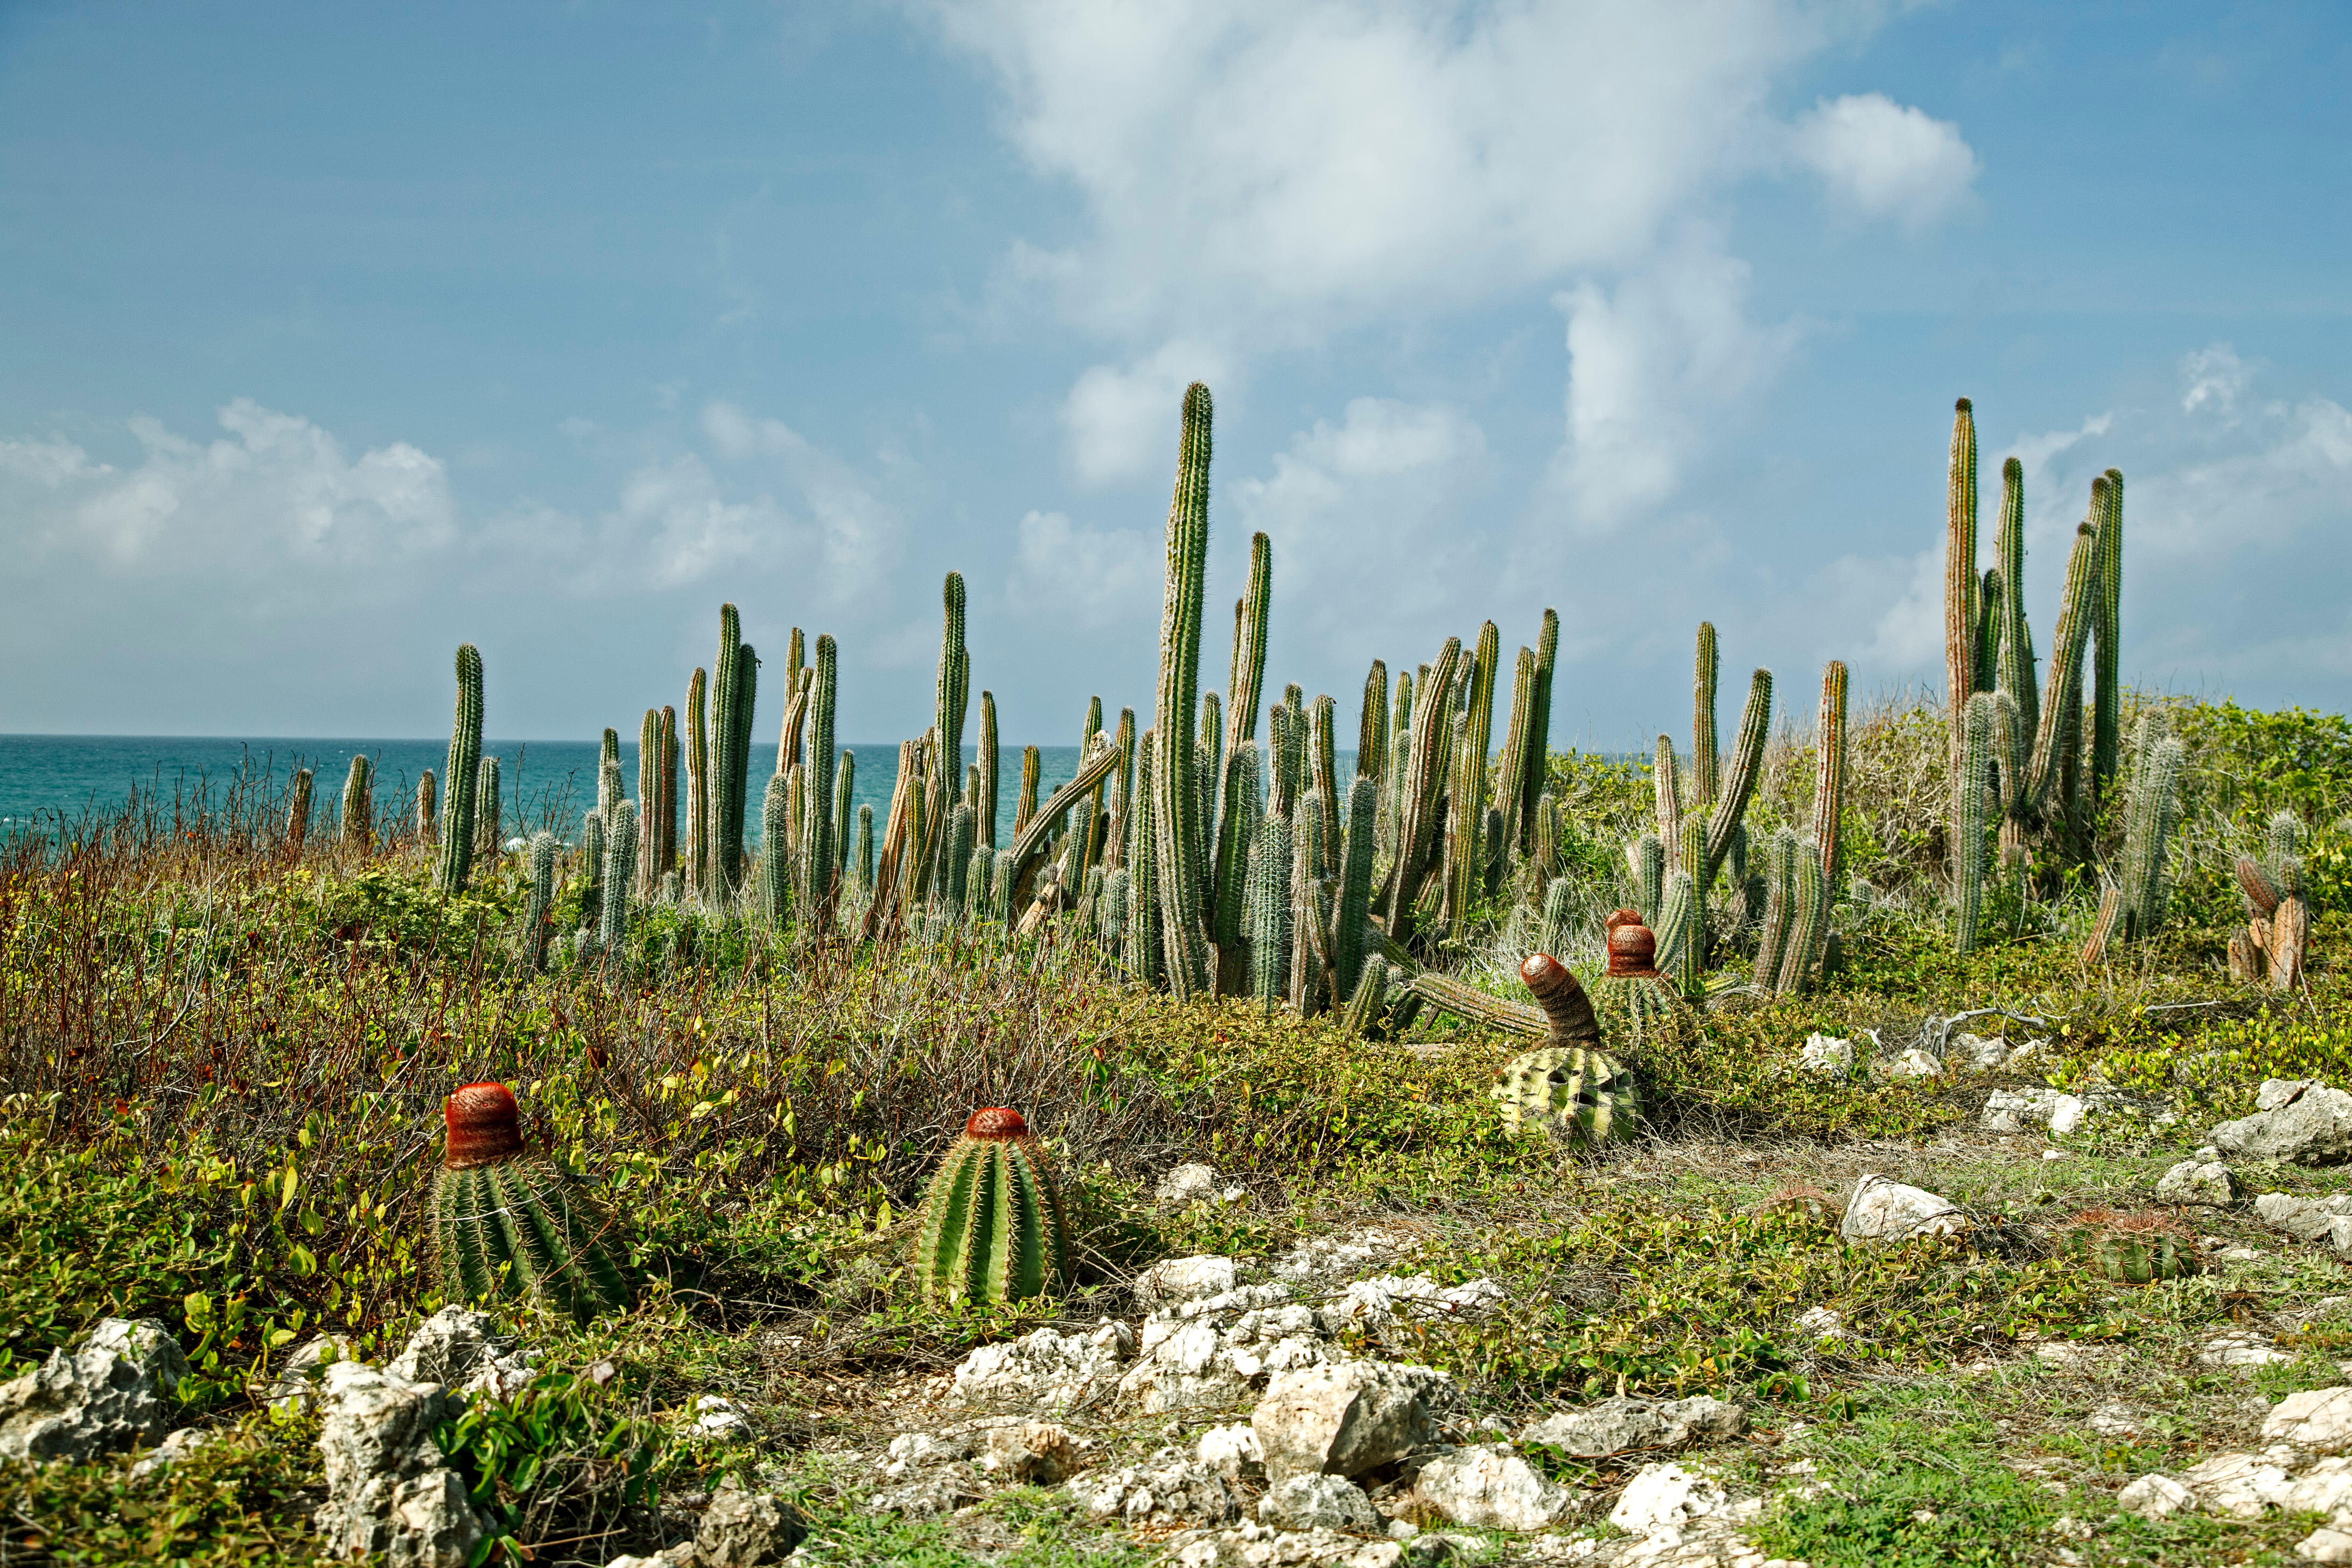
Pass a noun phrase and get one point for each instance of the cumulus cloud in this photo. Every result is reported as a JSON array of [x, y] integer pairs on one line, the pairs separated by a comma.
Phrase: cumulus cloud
[[1122, 420], [1097, 578], [1884, 159]]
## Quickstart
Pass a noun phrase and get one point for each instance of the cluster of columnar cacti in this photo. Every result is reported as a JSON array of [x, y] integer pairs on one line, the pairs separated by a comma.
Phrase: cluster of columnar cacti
[[506, 1223], [992, 1228], [2271, 945], [2018, 733]]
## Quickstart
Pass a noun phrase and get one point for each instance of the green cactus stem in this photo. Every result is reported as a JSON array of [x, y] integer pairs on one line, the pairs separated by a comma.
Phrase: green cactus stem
[[427, 802], [1251, 615], [357, 824], [992, 1228], [1244, 809], [1309, 910], [1176, 815], [1678, 933], [2132, 1249], [1970, 783], [1024, 805], [958, 856], [2078, 609], [1666, 795], [456, 858], [1704, 757], [1779, 906], [509, 1224], [699, 858], [1351, 926], [985, 806], [592, 867], [2106, 694], [1372, 725], [1960, 614], [954, 686], [864, 852], [1731, 802], [1646, 856], [1323, 775], [1510, 793], [1144, 957], [1367, 1003], [619, 880], [2151, 813], [1466, 819], [775, 861], [1269, 912], [1558, 916], [1808, 912], [1829, 774], [539, 906], [821, 852], [298, 814], [1539, 743], [487, 812]]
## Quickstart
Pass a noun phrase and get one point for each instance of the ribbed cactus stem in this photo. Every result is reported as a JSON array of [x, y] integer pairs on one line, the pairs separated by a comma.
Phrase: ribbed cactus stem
[[1703, 744], [1559, 912], [1647, 857], [650, 751], [487, 812], [1368, 1000], [1176, 815], [1243, 808], [1399, 747], [592, 866], [1961, 573], [1510, 781], [1144, 955], [1482, 709], [298, 813], [985, 825], [1309, 957], [992, 1228], [1251, 618], [1747, 766], [864, 851], [539, 902], [2077, 610], [619, 879], [357, 824], [844, 805], [2153, 811], [1323, 774], [1539, 741], [1286, 753], [698, 858], [1779, 906], [1351, 911], [1829, 775], [1808, 922], [428, 806], [1991, 608], [1372, 725], [1269, 912], [775, 860], [1677, 931], [954, 686], [820, 853], [1665, 793], [2106, 696], [1024, 805], [2015, 670], [1418, 824], [1208, 770], [958, 858], [1969, 782], [1466, 819]]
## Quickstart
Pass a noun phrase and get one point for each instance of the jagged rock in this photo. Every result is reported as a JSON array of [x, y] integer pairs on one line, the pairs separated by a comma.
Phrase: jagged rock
[[2324, 1544], [1324, 1257], [1183, 1279], [916, 1450], [1883, 1210], [933, 1490], [1667, 1497], [744, 1529], [1976, 1053], [2155, 1497], [2325, 1487], [1827, 1054], [1166, 1490], [2318, 1420], [1232, 1452], [2239, 1484], [1620, 1425], [2199, 1182], [1044, 1370], [1187, 1183], [388, 1487], [1487, 1487], [1028, 1453], [2327, 1219], [296, 1387], [107, 1395], [462, 1349], [1253, 1545], [1913, 1063], [1379, 1304], [2018, 1111], [2240, 1347], [1320, 1503], [1205, 1355], [2294, 1121], [1347, 1418]]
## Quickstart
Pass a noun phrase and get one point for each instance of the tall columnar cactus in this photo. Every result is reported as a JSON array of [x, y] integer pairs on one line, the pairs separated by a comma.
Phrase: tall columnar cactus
[[2153, 811], [2077, 610], [1465, 816], [509, 1224], [428, 806], [1176, 813], [1122, 809], [1024, 805], [298, 814], [1970, 783], [958, 858], [1779, 906], [953, 694], [775, 860], [1677, 932], [1703, 744], [2106, 709], [2013, 652], [1399, 748], [1538, 742], [992, 1228], [1646, 858], [619, 878], [1323, 774], [842, 804], [1829, 775], [487, 812], [1351, 906], [1372, 725], [1417, 819], [1510, 782], [1247, 684], [1269, 912], [1243, 808], [357, 824], [985, 806], [734, 695], [456, 859], [1145, 958], [592, 867], [1310, 910], [822, 851], [1667, 793], [539, 905], [1960, 574], [699, 858], [1809, 915], [865, 852]]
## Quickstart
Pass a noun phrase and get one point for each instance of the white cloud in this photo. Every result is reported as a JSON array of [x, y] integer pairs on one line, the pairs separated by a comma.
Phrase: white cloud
[[1884, 159], [857, 532], [1652, 368], [1123, 422], [2215, 377], [1096, 578]]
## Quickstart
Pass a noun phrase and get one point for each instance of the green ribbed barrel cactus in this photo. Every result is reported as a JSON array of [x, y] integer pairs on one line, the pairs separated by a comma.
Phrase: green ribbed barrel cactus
[[1640, 1013], [992, 1228], [506, 1223], [2134, 1248]]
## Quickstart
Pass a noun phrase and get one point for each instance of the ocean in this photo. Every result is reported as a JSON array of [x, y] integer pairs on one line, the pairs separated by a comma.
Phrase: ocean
[[49, 782]]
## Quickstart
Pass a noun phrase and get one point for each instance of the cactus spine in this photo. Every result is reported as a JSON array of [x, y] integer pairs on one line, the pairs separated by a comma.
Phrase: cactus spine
[[1176, 813], [1808, 913], [1423, 787], [1537, 766], [1024, 805], [1309, 963], [456, 859], [1372, 725], [775, 860], [357, 824], [1703, 744], [992, 1228], [1960, 574], [538, 904], [298, 814], [591, 865], [2133, 1248], [2153, 811], [1269, 912], [619, 878], [508, 1224]]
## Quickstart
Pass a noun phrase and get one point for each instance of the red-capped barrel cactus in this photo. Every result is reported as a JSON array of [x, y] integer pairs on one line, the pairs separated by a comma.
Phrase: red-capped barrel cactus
[[1570, 1088], [506, 1223], [1639, 1012], [993, 1228]]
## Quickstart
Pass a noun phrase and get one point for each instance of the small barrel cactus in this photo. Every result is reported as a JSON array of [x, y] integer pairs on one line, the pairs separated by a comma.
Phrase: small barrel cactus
[[2133, 1248], [509, 1224], [1640, 1011], [1585, 1095], [993, 1227]]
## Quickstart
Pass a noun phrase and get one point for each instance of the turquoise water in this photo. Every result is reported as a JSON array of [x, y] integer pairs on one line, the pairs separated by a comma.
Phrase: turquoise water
[[47, 781]]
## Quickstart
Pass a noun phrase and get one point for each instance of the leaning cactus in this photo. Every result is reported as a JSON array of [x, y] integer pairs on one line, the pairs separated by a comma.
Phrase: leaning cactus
[[2154, 810], [1368, 1004], [992, 1228], [465, 755], [2137, 1248], [298, 814], [509, 1224], [357, 825], [1176, 813]]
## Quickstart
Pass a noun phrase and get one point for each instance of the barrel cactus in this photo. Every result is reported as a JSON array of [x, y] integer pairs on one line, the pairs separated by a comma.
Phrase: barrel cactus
[[506, 1223], [2135, 1249], [1584, 1095], [1641, 1012], [993, 1227]]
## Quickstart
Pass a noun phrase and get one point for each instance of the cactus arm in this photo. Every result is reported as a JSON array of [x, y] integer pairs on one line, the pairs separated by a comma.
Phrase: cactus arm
[[1424, 783], [1703, 742], [2077, 610], [1465, 1001], [1372, 724], [1247, 686], [1144, 956], [2106, 698], [1539, 743], [1746, 767], [1960, 573], [456, 858], [1029, 844], [698, 786], [1828, 776], [1780, 907], [1665, 788], [1808, 923], [1352, 914]]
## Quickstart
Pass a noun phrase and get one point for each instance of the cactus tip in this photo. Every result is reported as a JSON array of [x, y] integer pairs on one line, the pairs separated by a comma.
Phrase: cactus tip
[[1632, 948], [484, 1126], [996, 1121], [1962, 407]]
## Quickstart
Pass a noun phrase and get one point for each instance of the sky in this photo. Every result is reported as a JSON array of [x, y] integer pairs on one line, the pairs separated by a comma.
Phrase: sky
[[333, 336]]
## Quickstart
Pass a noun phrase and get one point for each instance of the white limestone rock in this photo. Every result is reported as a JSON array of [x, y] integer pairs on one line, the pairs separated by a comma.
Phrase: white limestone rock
[[1174, 1280], [1883, 1210], [1319, 1501], [2318, 1420], [1828, 1055], [1625, 1423], [1489, 1486], [2199, 1182], [2294, 1120], [1347, 1418], [1168, 1488], [1045, 1372], [107, 1395]]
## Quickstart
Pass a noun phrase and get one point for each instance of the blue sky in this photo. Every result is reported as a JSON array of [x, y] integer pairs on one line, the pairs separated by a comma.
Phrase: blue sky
[[337, 335]]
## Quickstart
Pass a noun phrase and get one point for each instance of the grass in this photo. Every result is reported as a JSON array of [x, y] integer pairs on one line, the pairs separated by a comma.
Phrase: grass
[[222, 1065]]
